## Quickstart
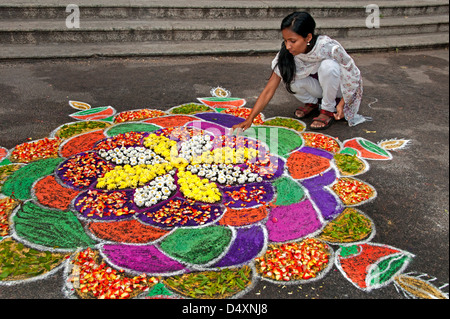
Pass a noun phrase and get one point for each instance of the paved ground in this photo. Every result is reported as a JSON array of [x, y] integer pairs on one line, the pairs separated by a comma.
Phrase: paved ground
[[406, 93]]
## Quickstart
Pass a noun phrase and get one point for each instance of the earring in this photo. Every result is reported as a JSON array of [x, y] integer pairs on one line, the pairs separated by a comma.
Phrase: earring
[[308, 43]]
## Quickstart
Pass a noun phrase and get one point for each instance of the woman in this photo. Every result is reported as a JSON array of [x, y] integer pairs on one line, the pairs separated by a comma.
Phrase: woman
[[318, 71]]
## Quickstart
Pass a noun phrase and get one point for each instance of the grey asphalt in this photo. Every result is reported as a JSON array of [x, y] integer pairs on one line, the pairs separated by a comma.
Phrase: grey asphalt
[[406, 94]]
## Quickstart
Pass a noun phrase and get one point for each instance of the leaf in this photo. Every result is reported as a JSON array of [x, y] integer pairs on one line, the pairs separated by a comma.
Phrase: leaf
[[240, 283], [394, 144], [79, 105], [416, 287], [5, 273]]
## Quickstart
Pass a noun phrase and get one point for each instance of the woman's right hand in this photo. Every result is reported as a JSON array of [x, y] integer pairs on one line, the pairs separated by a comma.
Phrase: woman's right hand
[[264, 98], [241, 127]]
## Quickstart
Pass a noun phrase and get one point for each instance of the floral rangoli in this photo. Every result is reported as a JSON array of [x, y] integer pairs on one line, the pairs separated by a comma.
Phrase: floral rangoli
[[169, 204]]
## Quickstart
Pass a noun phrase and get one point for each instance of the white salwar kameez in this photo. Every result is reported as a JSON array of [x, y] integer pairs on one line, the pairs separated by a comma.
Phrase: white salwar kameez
[[338, 77]]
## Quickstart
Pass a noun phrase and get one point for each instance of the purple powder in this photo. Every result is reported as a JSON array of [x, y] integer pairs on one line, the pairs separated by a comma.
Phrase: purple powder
[[211, 128], [328, 205], [265, 187], [316, 151], [146, 259], [226, 120], [292, 222], [319, 181], [247, 245]]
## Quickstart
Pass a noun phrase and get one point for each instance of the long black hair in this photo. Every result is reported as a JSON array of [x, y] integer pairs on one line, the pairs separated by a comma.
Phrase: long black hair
[[303, 24]]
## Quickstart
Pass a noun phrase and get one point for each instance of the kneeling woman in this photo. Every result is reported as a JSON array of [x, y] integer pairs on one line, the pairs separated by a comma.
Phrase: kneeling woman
[[318, 71]]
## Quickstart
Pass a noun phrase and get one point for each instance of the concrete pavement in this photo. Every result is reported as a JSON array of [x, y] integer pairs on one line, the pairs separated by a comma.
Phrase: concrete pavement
[[406, 94]]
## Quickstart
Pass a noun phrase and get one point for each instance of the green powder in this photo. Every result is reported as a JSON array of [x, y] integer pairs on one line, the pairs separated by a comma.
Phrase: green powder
[[132, 127], [347, 251], [50, 228], [373, 147], [387, 268], [288, 191], [197, 245], [20, 182], [280, 141], [159, 290]]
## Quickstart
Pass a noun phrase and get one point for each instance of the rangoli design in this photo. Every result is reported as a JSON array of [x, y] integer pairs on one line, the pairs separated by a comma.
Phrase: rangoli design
[[168, 204]]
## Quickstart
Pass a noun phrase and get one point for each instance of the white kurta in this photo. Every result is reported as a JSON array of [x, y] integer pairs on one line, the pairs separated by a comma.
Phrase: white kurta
[[350, 77]]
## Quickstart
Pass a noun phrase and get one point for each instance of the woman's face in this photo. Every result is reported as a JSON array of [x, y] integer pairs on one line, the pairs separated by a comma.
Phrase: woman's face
[[294, 42]]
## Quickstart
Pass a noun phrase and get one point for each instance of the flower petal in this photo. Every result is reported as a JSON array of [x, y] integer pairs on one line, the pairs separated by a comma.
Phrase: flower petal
[[33, 263], [3, 153], [248, 195], [105, 205], [352, 191], [82, 170], [131, 127], [212, 128], [358, 227], [288, 191], [178, 212], [280, 140], [96, 113], [220, 118]]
